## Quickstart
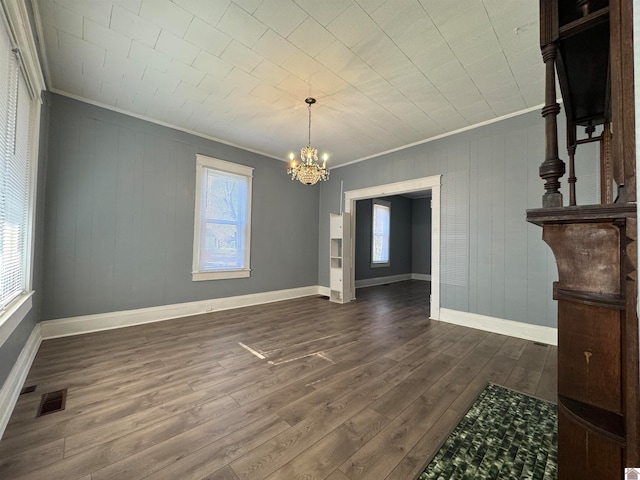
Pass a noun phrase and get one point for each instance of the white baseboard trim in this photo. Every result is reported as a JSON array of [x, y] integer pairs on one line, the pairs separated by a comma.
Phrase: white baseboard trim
[[502, 326], [370, 282], [10, 391], [326, 291], [425, 277], [64, 327]]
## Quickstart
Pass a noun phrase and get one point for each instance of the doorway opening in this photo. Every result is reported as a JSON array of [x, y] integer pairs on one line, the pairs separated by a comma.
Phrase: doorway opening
[[399, 188]]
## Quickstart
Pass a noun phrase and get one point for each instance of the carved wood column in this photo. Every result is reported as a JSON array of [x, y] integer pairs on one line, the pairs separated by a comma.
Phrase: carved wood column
[[552, 168]]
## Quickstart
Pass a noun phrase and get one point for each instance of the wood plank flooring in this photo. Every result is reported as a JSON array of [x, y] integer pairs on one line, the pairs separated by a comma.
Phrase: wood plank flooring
[[366, 390]]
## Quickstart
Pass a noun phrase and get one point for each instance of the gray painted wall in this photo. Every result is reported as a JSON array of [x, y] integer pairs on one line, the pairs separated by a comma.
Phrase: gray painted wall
[[492, 261], [400, 239], [11, 348], [120, 208], [421, 235]]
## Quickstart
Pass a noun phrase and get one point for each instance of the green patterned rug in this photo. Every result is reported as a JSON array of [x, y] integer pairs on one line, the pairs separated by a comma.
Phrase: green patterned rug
[[504, 435]]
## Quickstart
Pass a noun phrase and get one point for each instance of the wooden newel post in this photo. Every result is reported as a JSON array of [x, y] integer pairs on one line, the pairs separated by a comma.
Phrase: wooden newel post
[[552, 168]]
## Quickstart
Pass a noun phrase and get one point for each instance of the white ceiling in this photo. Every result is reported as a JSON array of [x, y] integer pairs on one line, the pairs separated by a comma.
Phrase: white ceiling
[[385, 73]]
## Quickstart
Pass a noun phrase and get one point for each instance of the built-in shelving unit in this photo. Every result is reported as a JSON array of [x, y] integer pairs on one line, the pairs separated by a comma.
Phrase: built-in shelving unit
[[340, 262]]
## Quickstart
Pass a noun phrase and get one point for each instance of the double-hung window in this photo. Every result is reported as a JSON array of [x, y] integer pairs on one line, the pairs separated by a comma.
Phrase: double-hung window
[[17, 113], [380, 233], [222, 233]]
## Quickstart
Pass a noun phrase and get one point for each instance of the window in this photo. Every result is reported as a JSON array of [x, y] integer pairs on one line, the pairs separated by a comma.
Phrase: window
[[16, 115], [380, 233], [222, 220]]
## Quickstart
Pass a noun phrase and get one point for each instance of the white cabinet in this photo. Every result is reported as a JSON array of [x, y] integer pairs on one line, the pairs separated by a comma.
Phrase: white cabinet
[[339, 258]]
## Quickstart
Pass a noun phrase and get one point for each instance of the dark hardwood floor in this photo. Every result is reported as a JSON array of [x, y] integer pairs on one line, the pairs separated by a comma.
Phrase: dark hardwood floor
[[366, 390]]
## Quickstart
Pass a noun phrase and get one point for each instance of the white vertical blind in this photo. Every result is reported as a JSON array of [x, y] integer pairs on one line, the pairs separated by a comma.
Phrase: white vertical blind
[[15, 112]]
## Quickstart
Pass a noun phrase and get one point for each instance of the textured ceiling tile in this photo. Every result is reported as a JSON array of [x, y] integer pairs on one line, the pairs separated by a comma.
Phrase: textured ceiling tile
[[132, 5], [98, 73], [311, 37], [298, 88], [206, 37], [164, 82], [395, 16], [81, 49], [325, 11], [130, 25], [190, 92], [207, 10], [241, 80], [212, 65], [108, 93], [97, 10], [270, 73], [176, 48], [499, 93], [108, 39], [64, 19], [419, 38], [248, 5], [302, 65], [508, 105], [185, 73], [282, 16], [166, 15], [446, 73], [274, 48], [327, 81], [240, 56], [435, 56], [353, 26], [476, 48], [266, 92], [148, 56], [441, 12], [242, 26]]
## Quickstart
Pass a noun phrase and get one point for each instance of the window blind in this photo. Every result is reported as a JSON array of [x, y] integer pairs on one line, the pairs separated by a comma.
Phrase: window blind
[[15, 108]]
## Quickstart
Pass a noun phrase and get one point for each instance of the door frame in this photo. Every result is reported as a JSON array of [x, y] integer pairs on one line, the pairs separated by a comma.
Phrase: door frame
[[398, 188]]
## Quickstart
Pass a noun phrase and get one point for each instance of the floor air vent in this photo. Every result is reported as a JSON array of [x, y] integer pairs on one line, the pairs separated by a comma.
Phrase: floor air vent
[[52, 402]]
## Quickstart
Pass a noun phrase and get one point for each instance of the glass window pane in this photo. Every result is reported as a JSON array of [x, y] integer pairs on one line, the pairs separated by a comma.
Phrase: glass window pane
[[221, 247], [380, 237]]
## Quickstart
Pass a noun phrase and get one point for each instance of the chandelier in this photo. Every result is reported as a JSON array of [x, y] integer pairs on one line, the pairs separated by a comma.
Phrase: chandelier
[[308, 171]]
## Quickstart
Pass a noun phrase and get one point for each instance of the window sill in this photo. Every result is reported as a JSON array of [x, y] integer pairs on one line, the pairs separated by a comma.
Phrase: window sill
[[220, 275], [379, 265], [14, 313]]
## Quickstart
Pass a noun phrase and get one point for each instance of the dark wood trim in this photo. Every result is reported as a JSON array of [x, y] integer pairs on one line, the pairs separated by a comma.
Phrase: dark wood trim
[[583, 213], [595, 419], [583, 23], [590, 298]]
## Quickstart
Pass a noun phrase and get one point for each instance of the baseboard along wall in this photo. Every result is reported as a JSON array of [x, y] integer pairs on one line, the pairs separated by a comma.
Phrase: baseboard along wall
[[526, 331], [370, 282], [64, 327], [10, 391]]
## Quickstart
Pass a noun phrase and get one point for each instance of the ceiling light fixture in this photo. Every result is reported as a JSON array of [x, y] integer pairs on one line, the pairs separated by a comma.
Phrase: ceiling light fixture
[[308, 171]]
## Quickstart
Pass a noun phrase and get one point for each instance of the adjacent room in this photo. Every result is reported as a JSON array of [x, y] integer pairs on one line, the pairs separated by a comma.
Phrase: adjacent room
[[281, 239]]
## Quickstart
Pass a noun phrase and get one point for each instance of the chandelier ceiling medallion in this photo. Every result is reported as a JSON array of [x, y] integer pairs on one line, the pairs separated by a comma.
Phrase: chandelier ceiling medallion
[[308, 171]]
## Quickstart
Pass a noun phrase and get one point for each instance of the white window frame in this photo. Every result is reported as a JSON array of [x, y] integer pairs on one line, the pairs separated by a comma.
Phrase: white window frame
[[15, 23], [202, 164], [386, 204]]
